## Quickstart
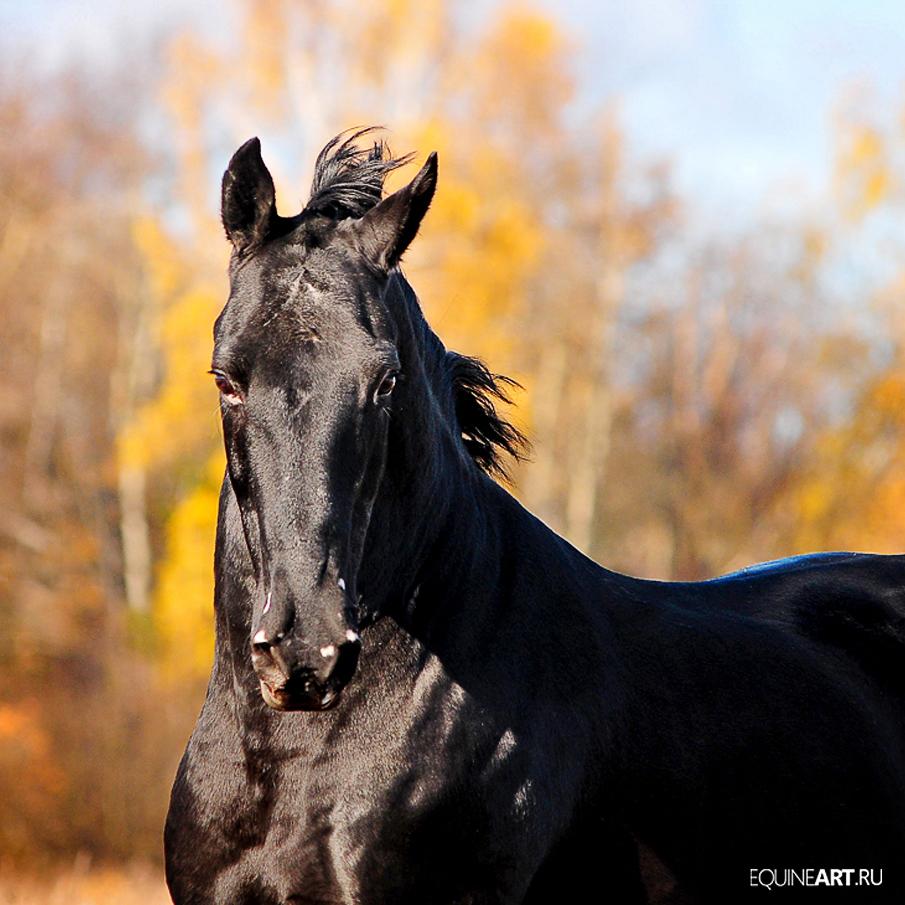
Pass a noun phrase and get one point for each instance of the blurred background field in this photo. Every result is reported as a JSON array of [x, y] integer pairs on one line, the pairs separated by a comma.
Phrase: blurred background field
[[681, 228], [83, 884]]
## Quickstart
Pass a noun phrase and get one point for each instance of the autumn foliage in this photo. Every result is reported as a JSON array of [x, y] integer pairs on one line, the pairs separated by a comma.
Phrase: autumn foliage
[[698, 397]]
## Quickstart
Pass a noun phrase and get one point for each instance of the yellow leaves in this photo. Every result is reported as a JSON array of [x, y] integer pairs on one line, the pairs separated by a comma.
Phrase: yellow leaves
[[265, 33], [156, 248], [876, 187], [169, 438], [814, 502], [482, 247], [479, 246], [192, 69], [864, 177], [389, 38], [521, 72], [865, 146], [459, 206], [870, 493], [814, 247], [887, 396], [183, 609], [513, 234], [856, 482], [183, 418], [531, 38]]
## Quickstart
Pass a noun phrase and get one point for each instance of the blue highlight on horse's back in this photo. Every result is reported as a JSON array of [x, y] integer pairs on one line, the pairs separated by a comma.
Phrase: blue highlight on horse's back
[[787, 564]]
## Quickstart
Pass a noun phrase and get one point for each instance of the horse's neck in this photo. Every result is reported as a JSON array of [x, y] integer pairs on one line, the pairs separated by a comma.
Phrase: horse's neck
[[427, 503], [428, 521]]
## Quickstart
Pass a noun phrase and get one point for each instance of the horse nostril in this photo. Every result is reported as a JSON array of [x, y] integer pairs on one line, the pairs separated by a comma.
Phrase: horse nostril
[[260, 644], [345, 661]]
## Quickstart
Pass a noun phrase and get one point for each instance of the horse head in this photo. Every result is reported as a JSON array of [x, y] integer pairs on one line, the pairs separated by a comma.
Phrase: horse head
[[309, 370]]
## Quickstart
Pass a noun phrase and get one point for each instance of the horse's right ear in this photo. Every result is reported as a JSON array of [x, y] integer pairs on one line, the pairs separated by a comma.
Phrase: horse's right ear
[[387, 230], [248, 199]]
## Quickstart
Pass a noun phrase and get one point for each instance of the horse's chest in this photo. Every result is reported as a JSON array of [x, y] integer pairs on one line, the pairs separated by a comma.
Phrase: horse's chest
[[451, 821], [406, 837]]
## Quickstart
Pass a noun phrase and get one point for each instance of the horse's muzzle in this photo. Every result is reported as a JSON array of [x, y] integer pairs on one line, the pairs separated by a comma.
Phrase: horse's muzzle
[[290, 683]]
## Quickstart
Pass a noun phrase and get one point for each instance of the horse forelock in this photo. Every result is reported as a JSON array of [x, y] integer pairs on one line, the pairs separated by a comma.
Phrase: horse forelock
[[348, 177]]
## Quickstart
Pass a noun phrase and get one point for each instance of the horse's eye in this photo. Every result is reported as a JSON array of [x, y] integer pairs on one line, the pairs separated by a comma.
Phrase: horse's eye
[[387, 385], [227, 388]]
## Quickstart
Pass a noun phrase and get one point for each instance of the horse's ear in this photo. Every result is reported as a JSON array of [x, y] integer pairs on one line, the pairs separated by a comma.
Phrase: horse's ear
[[248, 199], [387, 230]]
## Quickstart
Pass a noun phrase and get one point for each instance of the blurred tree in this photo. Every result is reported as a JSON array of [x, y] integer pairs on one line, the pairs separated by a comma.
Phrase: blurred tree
[[615, 218], [725, 396], [853, 491], [76, 701]]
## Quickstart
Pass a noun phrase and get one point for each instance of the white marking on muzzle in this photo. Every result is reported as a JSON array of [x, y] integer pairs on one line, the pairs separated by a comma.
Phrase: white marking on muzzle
[[260, 638], [267, 603], [352, 636], [328, 651]]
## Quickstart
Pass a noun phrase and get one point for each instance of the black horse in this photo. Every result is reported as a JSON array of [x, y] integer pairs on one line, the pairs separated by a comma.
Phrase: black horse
[[515, 724]]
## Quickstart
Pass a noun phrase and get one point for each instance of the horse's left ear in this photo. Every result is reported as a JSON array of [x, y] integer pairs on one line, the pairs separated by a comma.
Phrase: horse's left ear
[[248, 205], [387, 230]]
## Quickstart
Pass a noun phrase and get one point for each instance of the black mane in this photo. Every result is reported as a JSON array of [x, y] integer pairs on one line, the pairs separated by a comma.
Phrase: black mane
[[348, 179], [487, 435]]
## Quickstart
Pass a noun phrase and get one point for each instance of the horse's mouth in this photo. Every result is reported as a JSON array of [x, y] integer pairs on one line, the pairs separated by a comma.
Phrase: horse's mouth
[[287, 699]]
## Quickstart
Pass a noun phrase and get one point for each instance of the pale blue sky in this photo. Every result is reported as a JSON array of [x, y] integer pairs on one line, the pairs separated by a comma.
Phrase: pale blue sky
[[739, 93]]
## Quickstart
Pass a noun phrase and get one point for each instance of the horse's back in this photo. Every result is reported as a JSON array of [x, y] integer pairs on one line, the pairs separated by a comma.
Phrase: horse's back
[[852, 604], [770, 730], [854, 599]]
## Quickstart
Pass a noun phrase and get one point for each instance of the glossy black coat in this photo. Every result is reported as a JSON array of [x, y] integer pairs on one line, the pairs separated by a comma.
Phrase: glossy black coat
[[525, 726]]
